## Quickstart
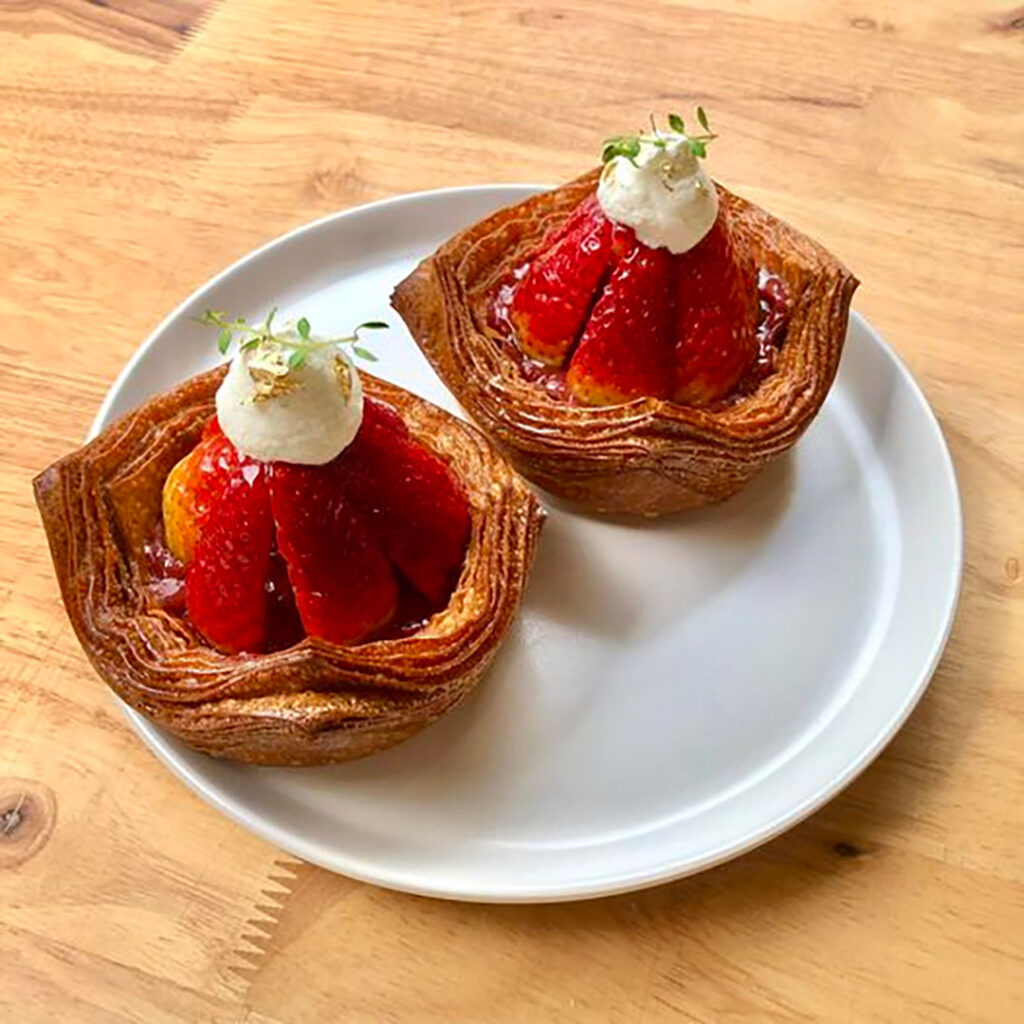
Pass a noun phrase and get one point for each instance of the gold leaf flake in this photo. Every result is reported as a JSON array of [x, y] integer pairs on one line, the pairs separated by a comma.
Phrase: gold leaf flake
[[343, 373], [268, 369]]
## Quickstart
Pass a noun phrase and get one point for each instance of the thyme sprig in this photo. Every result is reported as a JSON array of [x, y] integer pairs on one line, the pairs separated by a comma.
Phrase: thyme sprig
[[629, 146], [297, 338]]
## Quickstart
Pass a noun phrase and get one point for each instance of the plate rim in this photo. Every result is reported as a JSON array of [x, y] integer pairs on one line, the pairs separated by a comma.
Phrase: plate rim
[[592, 886], [100, 420]]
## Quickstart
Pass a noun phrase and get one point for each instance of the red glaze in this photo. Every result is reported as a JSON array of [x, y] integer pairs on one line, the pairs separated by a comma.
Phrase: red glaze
[[344, 586], [226, 595], [284, 625], [773, 313], [408, 499], [551, 304], [625, 351], [716, 327], [166, 585]]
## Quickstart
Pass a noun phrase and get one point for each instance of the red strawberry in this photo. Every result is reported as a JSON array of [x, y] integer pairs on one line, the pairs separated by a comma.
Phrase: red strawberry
[[327, 572], [716, 330], [344, 587], [378, 417], [626, 348], [226, 597], [551, 303], [189, 486], [409, 500], [212, 428]]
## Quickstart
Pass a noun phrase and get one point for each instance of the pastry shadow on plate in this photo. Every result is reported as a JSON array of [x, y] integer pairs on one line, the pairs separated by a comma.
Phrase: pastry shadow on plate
[[574, 587], [452, 751], [575, 584], [759, 505]]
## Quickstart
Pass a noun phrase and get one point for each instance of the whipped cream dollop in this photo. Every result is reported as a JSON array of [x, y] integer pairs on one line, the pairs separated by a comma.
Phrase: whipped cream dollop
[[306, 414], [665, 197]]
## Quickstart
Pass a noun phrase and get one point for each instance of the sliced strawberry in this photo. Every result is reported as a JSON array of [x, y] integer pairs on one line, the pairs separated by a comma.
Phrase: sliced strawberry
[[327, 572], [212, 428], [551, 303], [344, 587], [410, 501], [378, 417], [226, 597], [716, 328], [626, 348], [188, 487], [178, 505]]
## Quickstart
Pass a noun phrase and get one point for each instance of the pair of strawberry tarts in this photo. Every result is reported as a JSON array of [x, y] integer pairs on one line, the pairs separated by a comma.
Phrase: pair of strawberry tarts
[[286, 560]]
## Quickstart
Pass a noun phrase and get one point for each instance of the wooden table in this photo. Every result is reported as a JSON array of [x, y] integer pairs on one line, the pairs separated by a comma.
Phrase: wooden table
[[147, 143]]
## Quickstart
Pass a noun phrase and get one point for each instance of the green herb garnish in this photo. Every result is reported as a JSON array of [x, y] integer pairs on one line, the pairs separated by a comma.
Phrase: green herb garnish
[[296, 339], [628, 146]]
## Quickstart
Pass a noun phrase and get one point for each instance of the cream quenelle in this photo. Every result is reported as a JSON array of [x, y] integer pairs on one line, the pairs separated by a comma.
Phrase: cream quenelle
[[274, 407], [663, 193]]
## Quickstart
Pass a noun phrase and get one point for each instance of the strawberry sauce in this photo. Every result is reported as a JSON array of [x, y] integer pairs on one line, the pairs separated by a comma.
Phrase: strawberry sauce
[[551, 379], [166, 584], [773, 315], [165, 589]]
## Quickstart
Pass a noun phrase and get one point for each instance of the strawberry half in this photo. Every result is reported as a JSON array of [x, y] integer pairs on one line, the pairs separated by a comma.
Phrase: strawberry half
[[551, 303], [627, 346], [409, 500], [716, 330], [188, 488], [344, 586], [226, 596]]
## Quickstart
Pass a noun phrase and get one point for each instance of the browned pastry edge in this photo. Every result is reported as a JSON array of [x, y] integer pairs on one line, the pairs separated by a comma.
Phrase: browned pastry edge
[[313, 703], [649, 456]]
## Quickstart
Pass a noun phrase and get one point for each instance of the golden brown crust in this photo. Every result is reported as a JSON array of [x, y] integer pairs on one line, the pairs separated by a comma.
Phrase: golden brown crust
[[647, 457], [313, 703]]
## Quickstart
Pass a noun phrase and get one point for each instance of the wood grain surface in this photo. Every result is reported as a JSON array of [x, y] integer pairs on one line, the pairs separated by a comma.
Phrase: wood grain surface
[[147, 143]]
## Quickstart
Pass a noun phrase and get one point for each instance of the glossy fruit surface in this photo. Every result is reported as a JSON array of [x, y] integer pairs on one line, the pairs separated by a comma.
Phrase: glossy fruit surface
[[274, 551]]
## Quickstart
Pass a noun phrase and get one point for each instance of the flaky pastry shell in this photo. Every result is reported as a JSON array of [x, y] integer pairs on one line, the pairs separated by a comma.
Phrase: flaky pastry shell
[[649, 456], [310, 704]]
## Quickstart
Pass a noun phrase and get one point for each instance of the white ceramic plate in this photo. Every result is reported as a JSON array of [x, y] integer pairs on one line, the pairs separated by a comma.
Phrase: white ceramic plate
[[674, 693]]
